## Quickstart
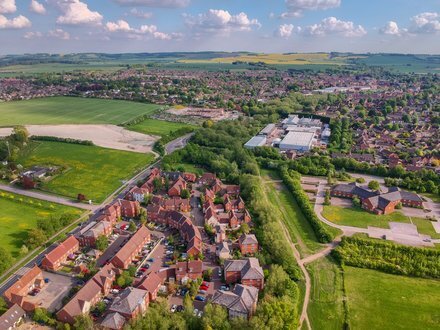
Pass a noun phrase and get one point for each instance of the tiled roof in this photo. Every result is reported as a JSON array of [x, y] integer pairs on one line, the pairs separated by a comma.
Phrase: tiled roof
[[11, 316], [114, 321], [61, 250], [128, 300]]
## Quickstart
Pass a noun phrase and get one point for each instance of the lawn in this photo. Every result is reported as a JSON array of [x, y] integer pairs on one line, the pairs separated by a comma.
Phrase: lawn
[[157, 127], [382, 301], [326, 308], [93, 171], [71, 110], [299, 229], [19, 213], [350, 216]]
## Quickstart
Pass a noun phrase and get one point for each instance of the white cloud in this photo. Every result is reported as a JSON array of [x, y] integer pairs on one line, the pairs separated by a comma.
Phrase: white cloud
[[332, 25], [19, 22], [425, 23], [140, 14], [392, 29], [37, 7], [33, 35], [75, 12], [218, 20], [155, 3], [284, 31], [119, 26], [7, 6], [295, 8], [59, 34]]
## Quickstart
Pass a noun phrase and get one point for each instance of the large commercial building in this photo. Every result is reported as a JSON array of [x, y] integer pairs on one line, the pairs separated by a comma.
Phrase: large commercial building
[[298, 141], [256, 141]]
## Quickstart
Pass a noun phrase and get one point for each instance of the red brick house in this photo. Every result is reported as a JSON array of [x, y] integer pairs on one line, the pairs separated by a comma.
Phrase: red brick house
[[90, 294], [151, 283], [189, 270], [248, 244], [18, 292], [137, 194], [131, 303], [207, 178], [129, 209], [189, 177], [177, 187], [245, 271], [55, 258], [102, 228], [132, 248]]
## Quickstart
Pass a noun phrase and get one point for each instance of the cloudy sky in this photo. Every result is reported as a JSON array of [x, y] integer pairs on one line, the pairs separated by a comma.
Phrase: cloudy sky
[[61, 26]]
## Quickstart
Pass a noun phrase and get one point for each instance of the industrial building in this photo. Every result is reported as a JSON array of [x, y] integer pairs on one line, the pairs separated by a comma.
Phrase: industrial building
[[256, 141], [299, 141]]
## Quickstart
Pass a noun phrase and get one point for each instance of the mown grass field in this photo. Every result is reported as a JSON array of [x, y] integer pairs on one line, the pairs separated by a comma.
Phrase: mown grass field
[[350, 216], [157, 127], [382, 301], [93, 171], [20, 213], [71, 110], [326, 308]]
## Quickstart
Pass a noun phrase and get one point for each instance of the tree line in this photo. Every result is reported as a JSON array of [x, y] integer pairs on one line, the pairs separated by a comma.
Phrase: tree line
[[388, 257]]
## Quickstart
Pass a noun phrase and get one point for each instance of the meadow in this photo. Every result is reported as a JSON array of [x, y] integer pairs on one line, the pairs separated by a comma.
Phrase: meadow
[[93, 171], [157, 127], [71, 110], [357, 217], [20, 213], [326, 306], [378, 300]]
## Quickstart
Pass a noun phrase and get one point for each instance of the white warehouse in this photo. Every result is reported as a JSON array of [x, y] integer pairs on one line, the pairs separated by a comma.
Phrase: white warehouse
[[299, 141], [256, 141]]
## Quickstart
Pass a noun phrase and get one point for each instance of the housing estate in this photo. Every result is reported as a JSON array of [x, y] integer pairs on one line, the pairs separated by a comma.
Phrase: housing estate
[[54, 259]]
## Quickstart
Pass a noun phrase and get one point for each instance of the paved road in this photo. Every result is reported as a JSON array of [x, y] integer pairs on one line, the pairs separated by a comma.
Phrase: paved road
[[178, 143], [49, 198]]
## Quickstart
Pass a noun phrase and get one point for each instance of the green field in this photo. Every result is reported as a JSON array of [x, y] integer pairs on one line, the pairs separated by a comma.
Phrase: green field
[[21, 213], [93, 171], [326, 308], [357, 217], [382, 301], [71, 110], [157, 127]]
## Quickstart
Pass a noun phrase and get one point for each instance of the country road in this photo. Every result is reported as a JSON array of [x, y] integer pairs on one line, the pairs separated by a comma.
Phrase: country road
[[46, 197]]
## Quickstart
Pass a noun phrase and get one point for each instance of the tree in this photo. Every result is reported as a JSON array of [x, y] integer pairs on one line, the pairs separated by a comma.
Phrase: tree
[[3, 305], [374, 185], [327, 197], [20, 134], [132, 226], [244, 228], [356, 201], [42, 316], [36, 237], [142, 216], [6, 260], [216, 317], [24, 250], [102, 243], [83, 322], [185, 194]]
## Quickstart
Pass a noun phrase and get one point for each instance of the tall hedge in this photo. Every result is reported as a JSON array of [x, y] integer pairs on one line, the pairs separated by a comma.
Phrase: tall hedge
[[294, 186]]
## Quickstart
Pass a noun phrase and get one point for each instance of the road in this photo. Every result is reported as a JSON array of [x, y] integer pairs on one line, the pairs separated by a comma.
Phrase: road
[[119, 193], [49, 198]]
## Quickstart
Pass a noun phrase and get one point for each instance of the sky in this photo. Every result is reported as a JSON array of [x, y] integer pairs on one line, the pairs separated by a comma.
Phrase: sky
[[270, 26]]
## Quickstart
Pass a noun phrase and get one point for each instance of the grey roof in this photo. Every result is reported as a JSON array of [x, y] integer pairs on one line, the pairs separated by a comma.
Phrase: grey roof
[[11, 316], [256, 141], [410, 196], [248, 239], [223, 248], [249, 268], [128, 300], [113, 321], [241, 299]]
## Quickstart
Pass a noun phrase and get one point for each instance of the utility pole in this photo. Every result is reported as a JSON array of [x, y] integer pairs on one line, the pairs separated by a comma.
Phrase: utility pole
[[9, 150]]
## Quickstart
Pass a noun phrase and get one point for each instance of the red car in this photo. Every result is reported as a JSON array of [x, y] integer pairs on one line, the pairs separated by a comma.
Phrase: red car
[[203, 287], [205, 284], [143, 269]]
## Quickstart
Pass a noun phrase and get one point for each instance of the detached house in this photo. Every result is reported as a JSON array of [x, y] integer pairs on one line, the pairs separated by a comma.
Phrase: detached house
[[241, 302], [54, 259], [177, 187], [130, 303], [129, 209], [245, 271], [188, 270], [248, 244]]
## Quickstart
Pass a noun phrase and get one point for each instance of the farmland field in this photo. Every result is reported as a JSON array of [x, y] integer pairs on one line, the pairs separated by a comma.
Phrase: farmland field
[[357, 217], [290, 59], [157, 127], [326, 309], [93, 171], [383, 301], [71, 110], [19, 213]]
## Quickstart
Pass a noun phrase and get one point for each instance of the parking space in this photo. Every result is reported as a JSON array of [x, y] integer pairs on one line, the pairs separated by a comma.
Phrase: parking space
[[51, 295]]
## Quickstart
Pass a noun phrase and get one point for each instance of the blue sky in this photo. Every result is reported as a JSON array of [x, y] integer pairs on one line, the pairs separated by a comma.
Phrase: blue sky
[[61, 26]]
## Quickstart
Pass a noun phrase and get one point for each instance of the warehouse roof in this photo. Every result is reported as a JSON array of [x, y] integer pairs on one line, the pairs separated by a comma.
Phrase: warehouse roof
[[256, 141], [302, 139]]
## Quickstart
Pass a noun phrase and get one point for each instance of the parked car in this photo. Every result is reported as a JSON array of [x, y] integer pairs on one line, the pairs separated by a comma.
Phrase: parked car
[[200, 298], [180, 308], [183, 292], [143, 269], [200, 314], [173, 308], [204, 283], [151, 260], [224, 288], [114, 291], [204, 288], [195, 312]]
